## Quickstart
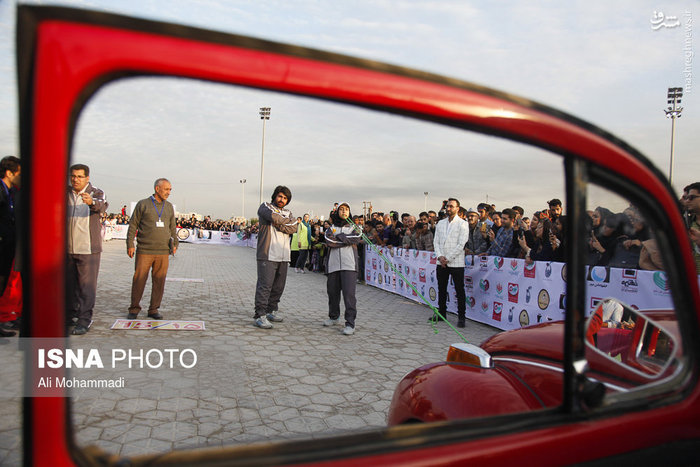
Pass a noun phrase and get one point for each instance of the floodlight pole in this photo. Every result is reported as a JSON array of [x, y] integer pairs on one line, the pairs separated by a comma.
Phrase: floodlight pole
[[264, 116], [243, 197], [673, 112]]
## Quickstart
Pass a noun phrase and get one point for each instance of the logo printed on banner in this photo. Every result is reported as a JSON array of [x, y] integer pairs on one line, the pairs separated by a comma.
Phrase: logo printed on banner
[[386, 267], [562, 302], [548, 270], [543, 299], [380, 279], [529, 270], [598, 276], [369, 275], [497, 310], [524, 318], [661, 282], [483, 262], [226, 236], [499, 290], [484, 284], [471, 301], [629, 281], [432, 293], [413, 291], [424, 254], [528, 294], [183, 234], [421, 275], [514, 265], [513, 290], [510, 314], [432, 276], [416, 253], [564, 271], [433, 258], [468, 261], [498, 262], [374, 263], [468, 282], [484, 307]]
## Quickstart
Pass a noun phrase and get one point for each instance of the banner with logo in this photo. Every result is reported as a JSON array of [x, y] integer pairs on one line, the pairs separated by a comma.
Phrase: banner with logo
[[216, 237], [507, 293], [116, 232]]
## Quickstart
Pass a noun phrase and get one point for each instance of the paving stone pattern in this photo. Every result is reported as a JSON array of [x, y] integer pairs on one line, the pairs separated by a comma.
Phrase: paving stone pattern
[[299, 380]]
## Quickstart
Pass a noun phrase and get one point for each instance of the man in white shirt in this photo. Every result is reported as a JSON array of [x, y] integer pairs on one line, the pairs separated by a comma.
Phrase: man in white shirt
[[451, 234]]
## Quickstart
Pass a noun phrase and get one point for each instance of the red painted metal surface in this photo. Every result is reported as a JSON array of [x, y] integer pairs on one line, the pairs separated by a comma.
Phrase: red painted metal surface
[[71, 57]]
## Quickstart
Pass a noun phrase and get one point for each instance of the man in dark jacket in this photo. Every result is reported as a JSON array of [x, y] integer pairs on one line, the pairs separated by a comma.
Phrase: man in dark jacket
[[10, 170], [85, 205]]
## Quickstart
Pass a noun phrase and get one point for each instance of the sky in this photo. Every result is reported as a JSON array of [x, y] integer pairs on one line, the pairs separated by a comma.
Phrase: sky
[[609, 63]]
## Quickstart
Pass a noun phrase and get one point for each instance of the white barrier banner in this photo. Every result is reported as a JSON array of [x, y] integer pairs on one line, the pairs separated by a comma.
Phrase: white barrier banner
[[507, 293], [116, 232], [216, 237]]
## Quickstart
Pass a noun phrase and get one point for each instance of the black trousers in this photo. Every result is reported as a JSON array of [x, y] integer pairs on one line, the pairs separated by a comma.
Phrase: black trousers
[[344, 281], [443, 278]]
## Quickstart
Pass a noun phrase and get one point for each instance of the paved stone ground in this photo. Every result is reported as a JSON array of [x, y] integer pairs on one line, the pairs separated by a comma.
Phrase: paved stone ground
[[297, 380]]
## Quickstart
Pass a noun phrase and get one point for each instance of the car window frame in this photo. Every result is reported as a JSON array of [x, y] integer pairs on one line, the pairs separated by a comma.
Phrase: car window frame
[[577, 172]]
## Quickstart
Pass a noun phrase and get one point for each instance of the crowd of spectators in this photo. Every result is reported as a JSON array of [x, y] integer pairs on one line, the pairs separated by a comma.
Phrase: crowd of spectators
[[615, 239]]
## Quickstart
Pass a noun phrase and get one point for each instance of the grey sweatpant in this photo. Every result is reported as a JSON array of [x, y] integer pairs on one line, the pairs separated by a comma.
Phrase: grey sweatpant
[[346, 282], [82, 286], [272, 277]]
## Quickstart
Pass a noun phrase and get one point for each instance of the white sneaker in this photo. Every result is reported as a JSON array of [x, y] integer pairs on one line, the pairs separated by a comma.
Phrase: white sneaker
[[275, 317], [331, 322], [262, 322], [302, 271], [349, 331]]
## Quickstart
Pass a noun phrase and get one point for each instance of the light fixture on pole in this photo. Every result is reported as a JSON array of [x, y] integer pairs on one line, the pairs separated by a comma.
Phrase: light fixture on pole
[[673, 112], [243, 180], [425, 204], [264, 116]]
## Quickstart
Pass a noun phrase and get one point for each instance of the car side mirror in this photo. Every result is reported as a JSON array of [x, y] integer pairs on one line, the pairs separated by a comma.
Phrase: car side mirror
[[632, 340]]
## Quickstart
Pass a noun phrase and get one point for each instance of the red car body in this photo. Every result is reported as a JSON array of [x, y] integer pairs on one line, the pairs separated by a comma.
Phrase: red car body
[[526, 375], [65, 55]]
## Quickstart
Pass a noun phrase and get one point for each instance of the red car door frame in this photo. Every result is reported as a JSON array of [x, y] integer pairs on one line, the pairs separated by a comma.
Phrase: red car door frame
[[65, 55]]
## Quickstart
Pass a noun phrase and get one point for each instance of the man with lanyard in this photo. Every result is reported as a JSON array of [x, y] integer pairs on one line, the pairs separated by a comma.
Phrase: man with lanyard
[[10, 170], [451, 234], [86, 203], [154, 219]]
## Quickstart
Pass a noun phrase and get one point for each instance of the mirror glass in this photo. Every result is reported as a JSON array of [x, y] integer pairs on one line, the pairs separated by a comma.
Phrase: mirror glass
[[631, 340]]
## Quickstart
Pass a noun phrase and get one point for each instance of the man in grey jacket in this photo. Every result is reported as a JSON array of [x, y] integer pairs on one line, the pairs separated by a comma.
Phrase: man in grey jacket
[[154, 219], [85, 205], [273, 254]]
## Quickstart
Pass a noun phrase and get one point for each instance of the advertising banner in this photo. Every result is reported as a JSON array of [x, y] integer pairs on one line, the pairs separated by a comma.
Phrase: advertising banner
[[507, 293]]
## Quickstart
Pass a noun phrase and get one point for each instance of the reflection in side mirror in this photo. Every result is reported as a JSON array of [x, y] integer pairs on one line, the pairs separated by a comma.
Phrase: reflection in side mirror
[[631, 338]]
